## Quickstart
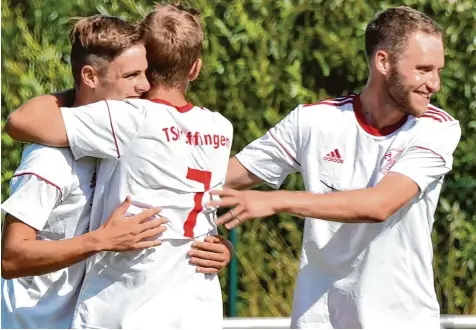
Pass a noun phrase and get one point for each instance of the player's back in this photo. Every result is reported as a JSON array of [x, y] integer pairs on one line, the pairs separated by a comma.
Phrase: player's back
[[177, 155]]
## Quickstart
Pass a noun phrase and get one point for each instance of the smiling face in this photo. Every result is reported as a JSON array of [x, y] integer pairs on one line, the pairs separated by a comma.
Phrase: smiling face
[[414, 76], [124, 77]]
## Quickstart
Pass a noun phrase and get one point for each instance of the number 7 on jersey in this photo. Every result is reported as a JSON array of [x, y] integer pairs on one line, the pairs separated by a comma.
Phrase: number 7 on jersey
[[204, 177]]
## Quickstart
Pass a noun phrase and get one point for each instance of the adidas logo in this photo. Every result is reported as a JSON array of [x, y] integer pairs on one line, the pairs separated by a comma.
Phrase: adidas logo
[[334, 156]]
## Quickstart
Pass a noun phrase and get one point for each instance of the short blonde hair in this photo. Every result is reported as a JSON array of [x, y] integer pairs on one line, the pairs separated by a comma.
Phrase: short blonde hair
[[173, 39]]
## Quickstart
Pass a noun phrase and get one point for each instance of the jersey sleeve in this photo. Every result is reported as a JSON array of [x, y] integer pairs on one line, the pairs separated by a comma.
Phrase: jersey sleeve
[[32, 199], [104, 129], [430, 155], [275, 155]]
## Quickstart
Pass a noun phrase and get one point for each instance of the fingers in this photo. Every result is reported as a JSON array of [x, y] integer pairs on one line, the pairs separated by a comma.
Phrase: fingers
[[147, 244], [154, 223], [230, 215], [236, 221], [147, 214], [207, 266], [213, 239], [216, 247], [224, 202], [206, 270], [205, 258], [154, 232], [225, 192]]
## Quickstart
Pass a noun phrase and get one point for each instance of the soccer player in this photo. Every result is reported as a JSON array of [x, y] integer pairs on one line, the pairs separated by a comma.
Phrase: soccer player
[[161, 151], [373, 166], [45, 234]]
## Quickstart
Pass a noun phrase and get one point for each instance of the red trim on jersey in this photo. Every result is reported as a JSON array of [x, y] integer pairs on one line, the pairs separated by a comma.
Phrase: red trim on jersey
[[431, 151], [113, 132], [359, 115], [284, 148], [39, 177], [181, 109], [444, 113], [334, 102], [425, 115]]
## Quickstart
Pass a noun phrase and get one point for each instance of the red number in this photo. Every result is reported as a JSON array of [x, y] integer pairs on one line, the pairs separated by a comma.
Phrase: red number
[[203, 177]]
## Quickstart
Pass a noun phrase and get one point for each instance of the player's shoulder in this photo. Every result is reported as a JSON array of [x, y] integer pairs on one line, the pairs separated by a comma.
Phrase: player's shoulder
[[40, 155], [437, 120], [216, 117], [342, 103], [435, 115], [48, 163], [327, 111]]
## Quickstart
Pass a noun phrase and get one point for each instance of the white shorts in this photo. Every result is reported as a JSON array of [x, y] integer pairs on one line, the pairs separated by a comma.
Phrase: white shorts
[[153, 288]]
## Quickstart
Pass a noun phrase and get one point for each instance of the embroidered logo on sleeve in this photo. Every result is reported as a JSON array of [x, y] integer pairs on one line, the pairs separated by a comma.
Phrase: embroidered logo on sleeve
[[389, 159]]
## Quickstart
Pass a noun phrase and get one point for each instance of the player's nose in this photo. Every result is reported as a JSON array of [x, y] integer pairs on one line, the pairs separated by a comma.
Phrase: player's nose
[[433, 82], [142, 85]]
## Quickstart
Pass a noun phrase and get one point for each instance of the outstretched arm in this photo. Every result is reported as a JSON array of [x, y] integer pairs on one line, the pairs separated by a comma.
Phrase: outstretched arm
[[374, 204], [238, 177], [40, 121]]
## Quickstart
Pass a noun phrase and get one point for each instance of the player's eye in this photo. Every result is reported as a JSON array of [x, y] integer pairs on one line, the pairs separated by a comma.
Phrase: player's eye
[[132, 75]]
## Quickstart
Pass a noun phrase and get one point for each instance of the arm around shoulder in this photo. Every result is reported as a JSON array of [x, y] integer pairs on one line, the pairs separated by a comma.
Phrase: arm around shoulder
[[39, 120]]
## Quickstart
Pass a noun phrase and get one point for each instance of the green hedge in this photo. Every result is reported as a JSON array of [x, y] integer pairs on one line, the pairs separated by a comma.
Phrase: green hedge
[[262, 58]]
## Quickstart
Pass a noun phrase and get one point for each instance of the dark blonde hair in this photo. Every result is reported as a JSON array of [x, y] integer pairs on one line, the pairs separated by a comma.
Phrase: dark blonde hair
[[173, 40], [97, 40], [391, 29]]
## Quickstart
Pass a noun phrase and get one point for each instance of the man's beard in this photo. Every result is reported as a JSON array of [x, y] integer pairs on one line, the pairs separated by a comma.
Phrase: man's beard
[[400, 95]]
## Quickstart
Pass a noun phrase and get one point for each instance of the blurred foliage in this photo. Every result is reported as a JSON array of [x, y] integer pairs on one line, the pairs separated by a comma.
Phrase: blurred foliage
[[261, 59]]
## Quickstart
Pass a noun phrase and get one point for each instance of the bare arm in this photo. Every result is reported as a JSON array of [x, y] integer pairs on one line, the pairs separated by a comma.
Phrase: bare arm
[[374, 204], [40, 121], [24, 255], [238, 177]]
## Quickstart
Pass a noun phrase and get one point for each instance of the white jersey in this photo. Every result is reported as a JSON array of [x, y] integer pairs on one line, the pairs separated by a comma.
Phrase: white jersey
[[361, 275], [164, 156], [53, 194]]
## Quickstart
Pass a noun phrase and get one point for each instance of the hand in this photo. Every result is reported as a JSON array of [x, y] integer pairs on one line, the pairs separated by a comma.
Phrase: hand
[[212, 255], [248, 204], [125, 233]]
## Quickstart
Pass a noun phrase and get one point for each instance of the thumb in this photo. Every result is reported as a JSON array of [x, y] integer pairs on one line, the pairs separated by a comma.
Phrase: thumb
[[124, 206]]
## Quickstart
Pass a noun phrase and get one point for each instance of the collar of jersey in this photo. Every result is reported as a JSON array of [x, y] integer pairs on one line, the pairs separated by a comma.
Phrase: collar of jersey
[[359, 115], [182, 109]]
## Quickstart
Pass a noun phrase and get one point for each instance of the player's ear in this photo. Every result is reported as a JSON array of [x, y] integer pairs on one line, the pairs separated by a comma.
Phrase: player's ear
[[195, 70], [89, 76], [382, 62]]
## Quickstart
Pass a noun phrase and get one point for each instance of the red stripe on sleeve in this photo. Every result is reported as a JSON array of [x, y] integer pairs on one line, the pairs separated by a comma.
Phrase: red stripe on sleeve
[[112, 129], [284, 148], [39, 177]]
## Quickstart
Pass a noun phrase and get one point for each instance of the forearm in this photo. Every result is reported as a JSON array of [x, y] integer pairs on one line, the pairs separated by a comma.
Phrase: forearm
[[37, 257], [39, 120], [356, 206], [238, 177]]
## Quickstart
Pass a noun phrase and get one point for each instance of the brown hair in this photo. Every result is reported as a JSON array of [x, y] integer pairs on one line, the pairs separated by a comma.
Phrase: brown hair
[[98, 39], [391, 29], [173, 40]]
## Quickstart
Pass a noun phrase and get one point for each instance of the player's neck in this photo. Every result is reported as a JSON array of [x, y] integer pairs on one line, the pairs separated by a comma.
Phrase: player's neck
[[82, 98], [171, 95], [379, 111]]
